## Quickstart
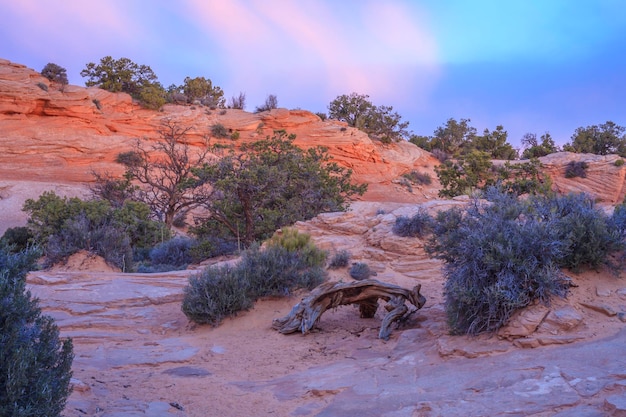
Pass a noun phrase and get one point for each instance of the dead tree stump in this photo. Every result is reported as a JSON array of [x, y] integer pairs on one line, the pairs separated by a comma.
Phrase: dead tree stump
[[306, 313]]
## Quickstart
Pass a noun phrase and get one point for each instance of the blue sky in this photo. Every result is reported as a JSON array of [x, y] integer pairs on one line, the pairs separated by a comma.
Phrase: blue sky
[[530, 65]]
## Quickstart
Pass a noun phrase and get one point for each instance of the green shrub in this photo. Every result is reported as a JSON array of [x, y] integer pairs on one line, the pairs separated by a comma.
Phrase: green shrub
[[235, 135], [499, 257], [55, 73], [416, 226], [576, 169], [339, 260], [64, 226], [619, 162], [16, 239], [35, 365], [300, 243], [219, 292], [219, 131], [360, 271], [100, 237]]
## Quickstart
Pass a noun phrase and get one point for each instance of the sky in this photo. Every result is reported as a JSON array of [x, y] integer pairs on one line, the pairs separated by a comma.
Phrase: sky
[[532, 66]]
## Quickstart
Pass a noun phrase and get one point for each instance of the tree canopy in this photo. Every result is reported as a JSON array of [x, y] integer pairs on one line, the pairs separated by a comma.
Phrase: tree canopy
[[123, 75], [379, 122], [272, 183], [607, 138], [55, 73]]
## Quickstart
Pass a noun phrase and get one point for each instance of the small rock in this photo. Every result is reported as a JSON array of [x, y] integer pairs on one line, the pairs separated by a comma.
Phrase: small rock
[[524, 322], [616, 405], [527, 342], [78, 385], [563, 318], [603, 292], [600, 308], [622, 316]]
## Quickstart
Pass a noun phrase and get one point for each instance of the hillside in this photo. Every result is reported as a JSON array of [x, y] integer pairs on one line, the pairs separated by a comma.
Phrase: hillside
[[136, 353]]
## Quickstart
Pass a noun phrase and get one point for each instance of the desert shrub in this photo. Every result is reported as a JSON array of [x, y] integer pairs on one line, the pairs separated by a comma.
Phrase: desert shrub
[[210, 247], [64, 226], [235, 135], [97, 103], [576, 169], [175, 253], [441, 155], [588, 233], [417, 225], [216, 293], [35, 365], [321, 115], [299, 243], [339, 260], [55, 73], [16, 239], [43, 86], [619, 162], [360, 271], [219, 292], [96, 236], [238, 102], [498, 258], [417, 177], [276, 271], [219, 131]]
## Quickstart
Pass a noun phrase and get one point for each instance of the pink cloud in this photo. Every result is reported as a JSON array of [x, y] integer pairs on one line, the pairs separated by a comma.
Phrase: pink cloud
[[375, 49]]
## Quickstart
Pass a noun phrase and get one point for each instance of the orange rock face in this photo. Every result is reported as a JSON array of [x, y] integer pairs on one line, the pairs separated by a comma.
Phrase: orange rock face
[[62, 136]]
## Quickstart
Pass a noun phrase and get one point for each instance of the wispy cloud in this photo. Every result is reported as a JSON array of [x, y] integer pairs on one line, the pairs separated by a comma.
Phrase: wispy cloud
[[368, 47]]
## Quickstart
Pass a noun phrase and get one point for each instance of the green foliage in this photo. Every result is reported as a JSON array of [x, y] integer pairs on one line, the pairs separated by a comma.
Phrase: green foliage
[[16, 239], [235, 135], [270, 184], [55, 73], [64, 226], [340, 259], [300, 243], [417, 225], [219, 292], [576, 169], [494, 144], [43, 86], [379, 122], [523, 178], [605, 139], [469, 172], [498, 258], [619, 162], [203, 90], [321, 115], [453, 137], [123, 75], [360, 271], [35, 365], [271, 102], [534, 149], [219, 131]]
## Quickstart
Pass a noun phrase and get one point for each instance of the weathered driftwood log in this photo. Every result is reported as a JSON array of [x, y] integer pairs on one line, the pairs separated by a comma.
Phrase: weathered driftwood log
[[306, 313]]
